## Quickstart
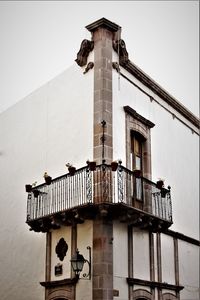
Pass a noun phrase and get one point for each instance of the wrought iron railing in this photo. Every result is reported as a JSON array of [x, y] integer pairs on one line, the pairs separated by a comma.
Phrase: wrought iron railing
[[99, 186]]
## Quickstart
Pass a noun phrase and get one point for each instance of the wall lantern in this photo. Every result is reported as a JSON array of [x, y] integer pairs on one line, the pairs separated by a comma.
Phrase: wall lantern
[[78, 261]]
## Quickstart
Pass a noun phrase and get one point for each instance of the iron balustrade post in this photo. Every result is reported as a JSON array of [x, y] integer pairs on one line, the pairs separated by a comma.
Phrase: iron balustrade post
[[169, 203], [89, 185], [28, 211], [120, 184]]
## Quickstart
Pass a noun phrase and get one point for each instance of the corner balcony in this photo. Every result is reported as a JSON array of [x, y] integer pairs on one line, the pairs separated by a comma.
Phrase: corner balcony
[[110, 193]]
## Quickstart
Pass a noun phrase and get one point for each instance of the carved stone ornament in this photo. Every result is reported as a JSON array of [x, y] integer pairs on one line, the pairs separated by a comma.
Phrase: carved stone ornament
[[116, 66], [82, 55], [90, 65], [120, 47], [61, 249]]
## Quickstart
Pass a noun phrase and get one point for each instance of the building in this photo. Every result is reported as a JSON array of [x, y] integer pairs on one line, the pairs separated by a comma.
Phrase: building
[[105, 133]]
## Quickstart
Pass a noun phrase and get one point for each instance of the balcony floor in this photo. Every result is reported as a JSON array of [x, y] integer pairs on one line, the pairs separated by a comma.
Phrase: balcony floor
[[112, 211]]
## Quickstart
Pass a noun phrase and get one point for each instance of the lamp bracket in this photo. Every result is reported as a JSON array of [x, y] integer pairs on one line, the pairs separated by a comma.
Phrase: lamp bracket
[[88, 275]]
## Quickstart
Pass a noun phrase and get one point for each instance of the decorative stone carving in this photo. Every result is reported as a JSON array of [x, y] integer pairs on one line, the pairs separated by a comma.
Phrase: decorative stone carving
[[82, 55], [116, 66], [120, 47], [140, 293], [169, 296], [60, 289], [90, 65], [61, 249]]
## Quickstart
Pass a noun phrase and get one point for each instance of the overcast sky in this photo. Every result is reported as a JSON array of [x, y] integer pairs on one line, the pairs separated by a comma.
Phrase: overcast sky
[[40, 39]]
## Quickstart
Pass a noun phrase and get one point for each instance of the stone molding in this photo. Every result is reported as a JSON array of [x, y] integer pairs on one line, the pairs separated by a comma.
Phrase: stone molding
[[104, 23], [140, 293], [155, 284], [60, 289], [58, 283], [137, 123], [137, 116], [120, 47], [158, 90], [169, 296], [182, 237]]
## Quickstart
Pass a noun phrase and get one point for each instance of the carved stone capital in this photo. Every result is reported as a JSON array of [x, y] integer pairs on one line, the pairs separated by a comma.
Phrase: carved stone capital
[[120, 47], [82, 55]]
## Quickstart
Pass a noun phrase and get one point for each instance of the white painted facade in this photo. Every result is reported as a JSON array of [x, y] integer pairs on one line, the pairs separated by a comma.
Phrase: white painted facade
[[84, 239], [49, 128], [169, 137], [64, 232], [167, 252], [174, 158], [84, 286], [141, 265], [120, 257], [189, 270], [54, 126]]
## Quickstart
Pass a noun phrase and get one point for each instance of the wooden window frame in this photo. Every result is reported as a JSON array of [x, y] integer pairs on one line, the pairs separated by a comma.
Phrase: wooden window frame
[[135, 123]]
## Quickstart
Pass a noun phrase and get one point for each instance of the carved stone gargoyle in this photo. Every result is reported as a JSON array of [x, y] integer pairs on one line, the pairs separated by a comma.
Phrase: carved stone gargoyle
[[120, 47], [82, 55]]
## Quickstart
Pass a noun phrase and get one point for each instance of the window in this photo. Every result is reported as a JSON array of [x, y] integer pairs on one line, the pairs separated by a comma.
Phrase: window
[[137, 163], [138, 153]]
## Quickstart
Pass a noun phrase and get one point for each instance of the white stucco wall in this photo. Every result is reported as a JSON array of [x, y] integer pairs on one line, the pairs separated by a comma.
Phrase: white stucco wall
[[175, 150], [44, 131], [155, 257], [84, 239], [63, 232], [141, 263], [120, 259], [189, 270], [167, 258]]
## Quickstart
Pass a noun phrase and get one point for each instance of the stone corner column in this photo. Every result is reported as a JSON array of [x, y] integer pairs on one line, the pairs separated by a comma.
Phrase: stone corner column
[[103, 33]]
